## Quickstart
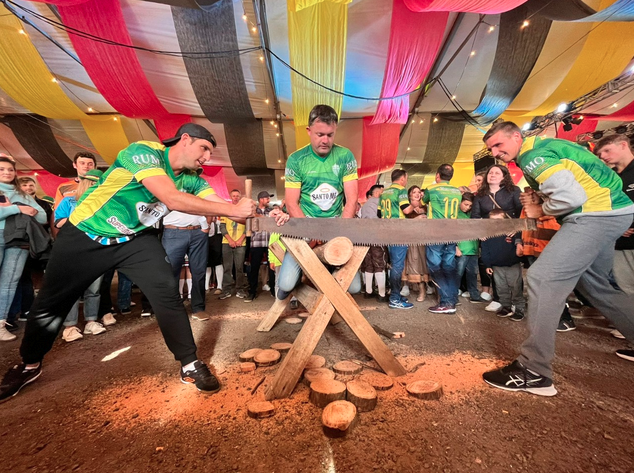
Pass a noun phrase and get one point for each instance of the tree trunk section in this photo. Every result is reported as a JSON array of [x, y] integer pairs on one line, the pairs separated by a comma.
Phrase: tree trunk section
[[247, 367], [260, 409], [362, 395], [335, 252], [249, 354], [293, 320], [427, 390], [338, 418], [315, 361], [282, 347], [347, 368], [267, 357], [317, 374], [325, 391]]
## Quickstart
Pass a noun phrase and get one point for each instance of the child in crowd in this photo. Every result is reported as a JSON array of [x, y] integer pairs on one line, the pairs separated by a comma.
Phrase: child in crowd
[[467, 254], [499, 255]]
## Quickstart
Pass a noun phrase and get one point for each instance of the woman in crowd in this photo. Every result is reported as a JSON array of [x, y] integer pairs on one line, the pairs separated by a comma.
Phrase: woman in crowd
[[13, 201], [416, 262]]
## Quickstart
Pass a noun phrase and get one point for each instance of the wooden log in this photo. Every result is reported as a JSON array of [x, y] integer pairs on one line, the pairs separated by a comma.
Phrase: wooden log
[[303, 315], [335, 252], [317, 374], [315, 361], [361, 394], [379, 381], [338, 418], [347, 368], [248, 186], [260, 409], [293, 320], [282, 347], [249, 354], [247, 367], [268, 357], [423, 389], [325, 391]]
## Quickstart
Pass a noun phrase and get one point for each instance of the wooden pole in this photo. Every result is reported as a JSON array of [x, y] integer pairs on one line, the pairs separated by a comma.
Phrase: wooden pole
[[248, 191]]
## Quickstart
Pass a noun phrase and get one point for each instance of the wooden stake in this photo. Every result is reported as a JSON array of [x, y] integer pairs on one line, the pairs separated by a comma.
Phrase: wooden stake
[[249, 354], [324, 391], [347, 368], [422, 389], [267, 357], [260, 409], [361, 394], [338, 417], [335, 252]]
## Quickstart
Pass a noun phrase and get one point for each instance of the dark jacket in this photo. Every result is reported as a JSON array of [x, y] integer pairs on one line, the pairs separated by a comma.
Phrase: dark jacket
[[500, 251], [23, 230], [507, 200], [627, 176]]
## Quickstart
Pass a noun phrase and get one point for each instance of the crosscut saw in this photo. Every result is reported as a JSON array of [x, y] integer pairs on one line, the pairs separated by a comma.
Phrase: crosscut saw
[[391, 232]]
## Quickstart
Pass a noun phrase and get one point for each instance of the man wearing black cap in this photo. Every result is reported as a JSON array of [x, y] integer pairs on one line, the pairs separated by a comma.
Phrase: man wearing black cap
[[112, 229], [259, 246]]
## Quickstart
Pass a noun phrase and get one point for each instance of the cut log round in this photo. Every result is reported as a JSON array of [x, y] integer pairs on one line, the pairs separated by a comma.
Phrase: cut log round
[[315, 361], [293, 320], [324, 391], [379, 381], [347, 368], [423, 389], [338, 418], [267, 357], [247, 367], [335, 252], [249, 354], [282, 347], [317, 373], [303, 315], [362, 395], [260, 409]]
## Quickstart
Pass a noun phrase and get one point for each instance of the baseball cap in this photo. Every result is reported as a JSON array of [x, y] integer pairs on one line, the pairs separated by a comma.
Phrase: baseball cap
[[264, 195], [193, 130], [92, 175]]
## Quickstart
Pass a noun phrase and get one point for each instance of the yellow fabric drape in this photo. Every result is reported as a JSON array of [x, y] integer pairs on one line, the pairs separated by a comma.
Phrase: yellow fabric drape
[[297, 5], [317, 43], [25, 77]]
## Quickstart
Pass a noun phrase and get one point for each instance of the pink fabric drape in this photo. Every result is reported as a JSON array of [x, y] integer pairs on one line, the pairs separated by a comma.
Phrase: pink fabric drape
[[415, 39], [586, 126], [380, 149], [47, 181], [474, 6], [115, 70], [215, 176]]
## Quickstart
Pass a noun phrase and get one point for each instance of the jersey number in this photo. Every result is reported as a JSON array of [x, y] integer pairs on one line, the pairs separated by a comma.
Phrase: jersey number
[[386, 209], [451, 207]]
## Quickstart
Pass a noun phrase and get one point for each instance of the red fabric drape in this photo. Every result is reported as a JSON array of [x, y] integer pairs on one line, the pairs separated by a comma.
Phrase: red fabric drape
[[415, 39], [215, 176], [47, 181], [515, 171], [586, 126], [626, 114], [380, 149], [364, 186], [115, 70], [473, 6]]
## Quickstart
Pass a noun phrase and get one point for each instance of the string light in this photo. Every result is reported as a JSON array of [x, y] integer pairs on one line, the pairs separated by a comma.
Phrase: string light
[[435, 119], [266, 101], [408, 149], [54, 80], [115, 119], [275, 126], [453, 97], [277, 134], [261, 58], [272, 122], [90, 109], [421, 121], [283, 178], [279, 160], [22, 32], [491, 29], [472, 53], [525, 24], [254, 29], [614, 105], [244, 17]]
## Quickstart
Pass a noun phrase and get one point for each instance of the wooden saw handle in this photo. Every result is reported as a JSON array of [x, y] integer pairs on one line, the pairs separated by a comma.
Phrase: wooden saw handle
[[248, 190]]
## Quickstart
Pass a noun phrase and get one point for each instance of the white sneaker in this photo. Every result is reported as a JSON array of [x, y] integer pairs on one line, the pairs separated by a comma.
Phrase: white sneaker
[[616, 334], [466, 295], [266, 288], [486, 296], [108, 319], [430, 289], [493, 307], [94, 328], [405, 291], [71, 334], [5, 335]]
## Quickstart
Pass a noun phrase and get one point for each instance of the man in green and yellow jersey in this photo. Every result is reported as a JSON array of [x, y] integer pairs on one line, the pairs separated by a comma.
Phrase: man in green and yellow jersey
[[392, 202], [443, 201], [573, 185], [319, 178]]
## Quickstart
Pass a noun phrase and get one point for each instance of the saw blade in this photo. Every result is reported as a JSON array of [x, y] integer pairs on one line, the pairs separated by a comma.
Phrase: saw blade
[[392, 232]]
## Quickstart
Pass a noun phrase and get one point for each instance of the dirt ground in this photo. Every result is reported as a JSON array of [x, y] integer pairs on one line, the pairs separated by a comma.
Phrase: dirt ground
[[129, 412]]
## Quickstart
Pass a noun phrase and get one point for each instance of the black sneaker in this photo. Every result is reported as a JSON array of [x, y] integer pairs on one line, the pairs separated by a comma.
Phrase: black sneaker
[[201, 377], [516, 377], [517, 315], [504, 312], [566, 325], [225, 295], [479, 300], [381, 298], [16, 378], [625, 354], [249, 298], [368, 295]]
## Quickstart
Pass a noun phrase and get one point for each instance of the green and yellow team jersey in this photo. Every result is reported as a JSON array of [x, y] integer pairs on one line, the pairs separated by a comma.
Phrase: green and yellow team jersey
[[603, 187], [391, 200], [468, 247], [443, 200], [121, 206], [320, 179]]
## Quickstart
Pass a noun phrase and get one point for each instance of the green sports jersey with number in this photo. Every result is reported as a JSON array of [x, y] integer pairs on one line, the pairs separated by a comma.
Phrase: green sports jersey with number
[[391, 200], [468, 247], [121, 206], [443, 200], [320, 179]]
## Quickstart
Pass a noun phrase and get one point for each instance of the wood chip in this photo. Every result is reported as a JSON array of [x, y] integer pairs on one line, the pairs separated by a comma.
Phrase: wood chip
[[315, 361], [268, 357], [282, 347], [249, 354], [247, 367], [260, 409], [347, 368], [379, 381]]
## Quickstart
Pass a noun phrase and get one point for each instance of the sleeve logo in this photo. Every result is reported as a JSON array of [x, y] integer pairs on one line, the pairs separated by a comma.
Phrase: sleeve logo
[[534, 164], [145, 159]]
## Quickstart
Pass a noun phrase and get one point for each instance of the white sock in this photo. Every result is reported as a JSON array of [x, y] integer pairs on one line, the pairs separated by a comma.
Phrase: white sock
[[189, 288], [189, 366], [207, 278], [368, 282], [219, 273], [380, 282], [181, 283]]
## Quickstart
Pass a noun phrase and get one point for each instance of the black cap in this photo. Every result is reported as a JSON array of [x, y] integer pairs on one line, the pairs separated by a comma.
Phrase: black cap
[[264, 195], [193, 130]]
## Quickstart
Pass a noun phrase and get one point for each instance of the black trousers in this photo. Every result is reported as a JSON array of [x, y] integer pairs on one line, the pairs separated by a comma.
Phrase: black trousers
[[77, 260], [257, 255]]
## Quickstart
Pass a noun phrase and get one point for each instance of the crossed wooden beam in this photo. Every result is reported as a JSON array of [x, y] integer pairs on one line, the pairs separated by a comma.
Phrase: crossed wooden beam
[[331, 295]]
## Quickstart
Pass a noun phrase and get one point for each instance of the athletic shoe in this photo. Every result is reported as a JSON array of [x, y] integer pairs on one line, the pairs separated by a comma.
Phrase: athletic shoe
[[403, 305], [94, 328], [465, 294], [404, 299], [368, 295], [625, 354], [442, 309], [479, 300], [132, 304], [201, 377], [218, 291], [566, 326], [616, 334], [381, 298], [108, 319], [518, 315], [486, 296], [5, 335], [516, 377], [225, 295], [504, 312], [405, 290], [16, 378], [493, 306], [241, 294], [250, 298], [23, 317], [430, 289], [146, 313], [266, 288], [126, 311], [71, 334], [294, 304], [202, 316]]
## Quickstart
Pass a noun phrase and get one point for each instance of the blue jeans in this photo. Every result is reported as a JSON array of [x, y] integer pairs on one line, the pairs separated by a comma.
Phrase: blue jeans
[[11, 265], [290, 273], [397, 260], [91, 305], [469, 263], [124, 291], [441, 263]]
